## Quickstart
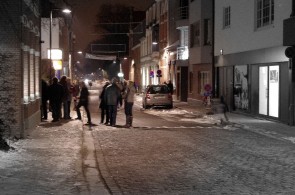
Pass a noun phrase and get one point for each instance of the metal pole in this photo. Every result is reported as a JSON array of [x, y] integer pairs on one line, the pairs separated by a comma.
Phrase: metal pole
[[50, 45]]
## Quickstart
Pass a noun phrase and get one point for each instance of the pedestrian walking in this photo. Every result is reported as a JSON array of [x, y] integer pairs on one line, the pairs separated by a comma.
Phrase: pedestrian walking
[[128, 103], [224, 107], [170, 86], [75, 93], [112, 94], [83, 101], [45, 98], [63, 82], [103, 106], [56, 94]]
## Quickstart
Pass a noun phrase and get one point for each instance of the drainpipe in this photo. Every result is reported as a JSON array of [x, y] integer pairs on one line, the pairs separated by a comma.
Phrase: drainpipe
[[214, 83], [293, 9], [290, 53]]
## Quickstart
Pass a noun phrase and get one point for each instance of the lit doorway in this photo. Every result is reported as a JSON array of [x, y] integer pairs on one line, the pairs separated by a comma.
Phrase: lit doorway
[[269, 90]]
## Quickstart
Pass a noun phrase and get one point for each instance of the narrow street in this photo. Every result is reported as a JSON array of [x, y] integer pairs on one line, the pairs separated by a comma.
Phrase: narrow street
[[164, 153]]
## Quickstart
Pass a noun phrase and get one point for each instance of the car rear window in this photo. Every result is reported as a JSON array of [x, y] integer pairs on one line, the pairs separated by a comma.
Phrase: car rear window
[[158, 89]]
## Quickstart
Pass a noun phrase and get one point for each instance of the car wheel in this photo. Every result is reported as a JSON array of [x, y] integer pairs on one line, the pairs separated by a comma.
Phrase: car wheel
[[144, 105]]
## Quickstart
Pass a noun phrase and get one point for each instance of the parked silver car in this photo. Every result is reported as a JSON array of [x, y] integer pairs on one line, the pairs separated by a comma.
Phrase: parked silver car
[[157, 95]]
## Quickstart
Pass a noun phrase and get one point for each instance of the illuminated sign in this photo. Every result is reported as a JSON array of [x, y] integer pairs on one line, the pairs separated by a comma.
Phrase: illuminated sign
[[57, 64], [56, 54]]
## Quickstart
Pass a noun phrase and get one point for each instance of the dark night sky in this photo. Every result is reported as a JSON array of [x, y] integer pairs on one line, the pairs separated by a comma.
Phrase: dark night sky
[[85, 18]]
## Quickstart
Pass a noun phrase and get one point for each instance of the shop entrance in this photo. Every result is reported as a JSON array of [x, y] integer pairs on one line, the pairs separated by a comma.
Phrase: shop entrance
[[269, 90]]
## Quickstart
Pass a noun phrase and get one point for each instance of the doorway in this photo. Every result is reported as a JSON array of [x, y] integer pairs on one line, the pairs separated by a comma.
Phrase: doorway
[[269, 90]]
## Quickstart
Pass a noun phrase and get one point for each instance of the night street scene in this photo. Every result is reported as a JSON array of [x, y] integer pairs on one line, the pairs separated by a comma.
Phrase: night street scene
[[147, 97]]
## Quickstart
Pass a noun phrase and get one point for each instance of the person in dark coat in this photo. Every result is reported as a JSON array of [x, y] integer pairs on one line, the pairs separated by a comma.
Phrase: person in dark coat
[[45, 98], [111, 96], [83, 101], [170, 86], [63, 82], [56, 93], [103, 106]]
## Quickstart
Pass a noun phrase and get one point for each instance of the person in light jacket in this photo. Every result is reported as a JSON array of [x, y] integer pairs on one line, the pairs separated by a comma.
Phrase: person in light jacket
[[128, 103]]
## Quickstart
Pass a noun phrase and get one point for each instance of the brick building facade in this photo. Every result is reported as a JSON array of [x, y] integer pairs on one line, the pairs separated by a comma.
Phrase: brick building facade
[[19, 66]]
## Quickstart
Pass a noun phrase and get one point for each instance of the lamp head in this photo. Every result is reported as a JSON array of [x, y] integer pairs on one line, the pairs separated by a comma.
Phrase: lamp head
[[66, 11]]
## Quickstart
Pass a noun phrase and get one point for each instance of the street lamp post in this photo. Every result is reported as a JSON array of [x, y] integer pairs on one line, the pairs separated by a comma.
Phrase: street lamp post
[[67, 11]]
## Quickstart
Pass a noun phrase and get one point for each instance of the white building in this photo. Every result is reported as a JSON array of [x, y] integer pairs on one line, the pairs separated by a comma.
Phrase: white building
[[250, 56], [149, 51]]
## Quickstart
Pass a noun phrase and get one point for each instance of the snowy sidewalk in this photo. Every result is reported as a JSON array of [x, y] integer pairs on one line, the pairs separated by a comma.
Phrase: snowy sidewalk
[[47, 162], [238, 120]]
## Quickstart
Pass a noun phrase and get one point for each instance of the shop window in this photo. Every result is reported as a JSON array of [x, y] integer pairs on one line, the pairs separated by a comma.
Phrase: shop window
[[241, 99]]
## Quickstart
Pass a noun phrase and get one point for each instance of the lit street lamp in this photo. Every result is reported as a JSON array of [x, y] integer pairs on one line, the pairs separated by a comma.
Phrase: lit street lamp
[[67, 11]]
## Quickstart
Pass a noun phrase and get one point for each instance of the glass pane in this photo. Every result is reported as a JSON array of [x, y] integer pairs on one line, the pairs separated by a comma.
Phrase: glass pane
[[241, 99], [263, 91], [274, 91]]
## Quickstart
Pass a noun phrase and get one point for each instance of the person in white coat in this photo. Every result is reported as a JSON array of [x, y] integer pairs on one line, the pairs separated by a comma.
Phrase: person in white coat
[[128, 102]]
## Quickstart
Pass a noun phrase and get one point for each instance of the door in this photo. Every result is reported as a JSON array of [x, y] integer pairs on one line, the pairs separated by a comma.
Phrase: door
[[269, 90]]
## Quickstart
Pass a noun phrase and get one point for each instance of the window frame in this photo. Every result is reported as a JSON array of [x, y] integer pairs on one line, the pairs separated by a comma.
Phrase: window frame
[[226, 17], [264, 13]]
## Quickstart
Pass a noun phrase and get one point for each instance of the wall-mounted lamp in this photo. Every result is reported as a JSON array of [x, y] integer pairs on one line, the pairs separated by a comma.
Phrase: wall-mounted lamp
[[221, 52]]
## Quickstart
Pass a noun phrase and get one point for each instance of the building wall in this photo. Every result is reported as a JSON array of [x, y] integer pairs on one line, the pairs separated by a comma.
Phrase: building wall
[[135, 66], [242, 34], [19, 66], [245, 46], [199, 11], [200, 55]]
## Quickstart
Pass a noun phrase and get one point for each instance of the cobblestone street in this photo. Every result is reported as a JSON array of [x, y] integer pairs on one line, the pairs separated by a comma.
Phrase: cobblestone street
[[196, 161], [164, 153]]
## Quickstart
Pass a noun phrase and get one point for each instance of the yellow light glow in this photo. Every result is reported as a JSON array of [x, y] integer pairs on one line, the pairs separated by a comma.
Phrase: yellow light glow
[[57, 64]]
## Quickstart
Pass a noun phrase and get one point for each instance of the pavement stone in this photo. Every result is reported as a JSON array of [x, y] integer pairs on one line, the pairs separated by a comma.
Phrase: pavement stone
[[70, 158]]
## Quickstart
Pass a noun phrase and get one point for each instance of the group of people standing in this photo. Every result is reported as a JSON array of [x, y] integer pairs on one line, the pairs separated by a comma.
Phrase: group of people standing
[[113, 95], [60, 94]]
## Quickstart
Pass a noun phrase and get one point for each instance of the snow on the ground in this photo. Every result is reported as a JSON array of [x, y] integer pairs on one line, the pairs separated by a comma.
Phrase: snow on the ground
[[291, 139]]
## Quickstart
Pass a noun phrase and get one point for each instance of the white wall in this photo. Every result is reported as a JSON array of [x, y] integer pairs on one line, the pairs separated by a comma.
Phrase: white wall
[[242, 36], [198, 11], [45, 35]]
